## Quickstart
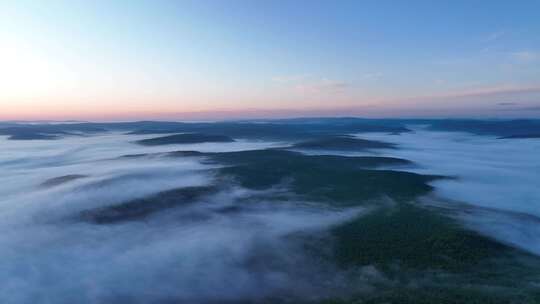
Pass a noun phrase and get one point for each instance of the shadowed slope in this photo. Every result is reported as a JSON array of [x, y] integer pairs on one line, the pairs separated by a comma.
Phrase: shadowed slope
[[189, 138]]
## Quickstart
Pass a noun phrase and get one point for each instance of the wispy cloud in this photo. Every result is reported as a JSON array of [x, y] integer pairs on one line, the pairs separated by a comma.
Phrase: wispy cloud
[[526, 56], [375, 75], [322, 86], [495, 36], [480, 97], [533, 108], [521, 109], [306, 83], [290, 78], [494, 90]]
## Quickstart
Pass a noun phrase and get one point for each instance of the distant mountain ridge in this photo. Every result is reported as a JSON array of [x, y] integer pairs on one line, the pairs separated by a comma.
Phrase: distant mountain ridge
[[277, 129]]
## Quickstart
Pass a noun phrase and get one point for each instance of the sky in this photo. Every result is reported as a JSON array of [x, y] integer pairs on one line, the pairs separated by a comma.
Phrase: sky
[[181, 60]]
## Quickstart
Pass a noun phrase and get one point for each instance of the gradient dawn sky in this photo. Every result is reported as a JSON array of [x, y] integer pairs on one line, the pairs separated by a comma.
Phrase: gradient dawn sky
[[122, 60]]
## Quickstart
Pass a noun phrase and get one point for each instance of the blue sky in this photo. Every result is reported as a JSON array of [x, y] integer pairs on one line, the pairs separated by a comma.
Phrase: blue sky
[[175, 59]]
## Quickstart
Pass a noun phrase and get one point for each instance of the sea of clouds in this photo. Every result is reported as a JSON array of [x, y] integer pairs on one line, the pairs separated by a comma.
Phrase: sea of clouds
[[231, 245], [196, 253], [496, 184]]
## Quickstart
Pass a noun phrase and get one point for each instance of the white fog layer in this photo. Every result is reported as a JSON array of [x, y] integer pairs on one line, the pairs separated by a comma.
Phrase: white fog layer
[[197, 253], [500, 178]]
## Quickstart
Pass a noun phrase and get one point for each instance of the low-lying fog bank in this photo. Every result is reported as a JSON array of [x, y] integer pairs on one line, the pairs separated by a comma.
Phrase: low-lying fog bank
[[82, 223], [501, 177], [224, 246]]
